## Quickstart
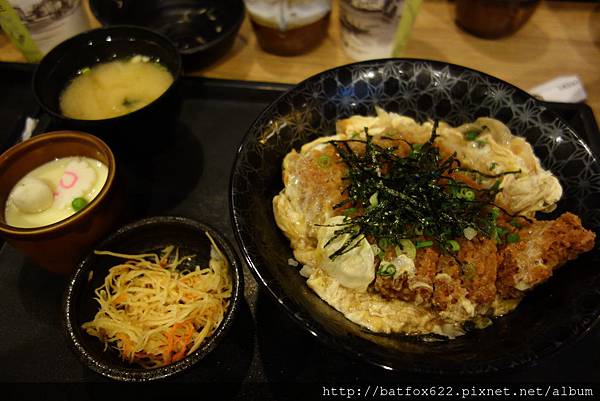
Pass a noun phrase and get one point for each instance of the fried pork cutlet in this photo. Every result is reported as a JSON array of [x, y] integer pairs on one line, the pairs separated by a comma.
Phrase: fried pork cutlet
[[313, 180], [481, 271], [444, 284], [416, 287], [544, 246]]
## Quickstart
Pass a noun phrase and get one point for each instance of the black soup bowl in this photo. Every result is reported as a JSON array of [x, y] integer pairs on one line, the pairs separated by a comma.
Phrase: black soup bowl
[[203, 30], [551, 316], [151, 234], [140, 128]]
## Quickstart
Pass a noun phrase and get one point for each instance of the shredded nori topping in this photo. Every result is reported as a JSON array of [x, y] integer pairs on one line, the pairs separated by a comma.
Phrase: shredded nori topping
[[415, 197]]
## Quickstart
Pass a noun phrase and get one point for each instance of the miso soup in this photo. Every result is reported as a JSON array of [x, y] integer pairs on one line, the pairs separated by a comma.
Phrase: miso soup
[[114, 88]]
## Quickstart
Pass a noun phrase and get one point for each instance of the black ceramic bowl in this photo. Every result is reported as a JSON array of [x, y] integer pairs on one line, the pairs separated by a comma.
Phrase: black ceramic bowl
[[202, 30], [147, 235], [62, 64], [554, 314]]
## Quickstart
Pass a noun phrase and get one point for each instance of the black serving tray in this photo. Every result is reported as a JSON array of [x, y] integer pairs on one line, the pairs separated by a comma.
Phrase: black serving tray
[[265, 356]]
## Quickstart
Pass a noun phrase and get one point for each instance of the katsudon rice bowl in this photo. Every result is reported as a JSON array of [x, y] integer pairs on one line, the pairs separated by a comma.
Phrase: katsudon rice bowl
[[421, 216], [423, 228]]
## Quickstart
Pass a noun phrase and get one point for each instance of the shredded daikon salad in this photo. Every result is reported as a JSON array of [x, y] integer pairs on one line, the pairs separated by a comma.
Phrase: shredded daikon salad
[[154, 311]]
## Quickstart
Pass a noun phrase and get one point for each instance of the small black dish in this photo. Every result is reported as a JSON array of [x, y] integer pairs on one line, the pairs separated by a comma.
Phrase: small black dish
[[140, 128], [202, 30], [550, 317], [147, 235]]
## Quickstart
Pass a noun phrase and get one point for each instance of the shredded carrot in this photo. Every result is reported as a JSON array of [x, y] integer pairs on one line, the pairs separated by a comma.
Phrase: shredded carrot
[[177, 343], [153, 310], [126, 344], [120, 299]]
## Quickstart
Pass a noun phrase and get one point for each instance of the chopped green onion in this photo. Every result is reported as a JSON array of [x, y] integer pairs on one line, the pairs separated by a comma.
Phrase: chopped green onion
[[386, 270], [470, 233], [462, 193], [324, 161], [373, 201], [467, 194], [377, 251], [515, 223], [454, 190], [415, 149], [480, 144], [78, 203], [454, 246], [512, 238], [384, 243], [408, 248], [501, 231], [493, 165], [423, 244], [495, 212], [471, 135], [350, 210]]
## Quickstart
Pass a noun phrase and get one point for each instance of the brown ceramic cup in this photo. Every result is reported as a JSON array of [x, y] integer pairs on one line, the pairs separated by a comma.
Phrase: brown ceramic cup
[[289, 29], [492, 19], [58, 247]]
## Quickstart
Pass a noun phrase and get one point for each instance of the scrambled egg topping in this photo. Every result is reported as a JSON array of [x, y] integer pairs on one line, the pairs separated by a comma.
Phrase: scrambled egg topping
[[495, 151], [353, 269], [304, 210]]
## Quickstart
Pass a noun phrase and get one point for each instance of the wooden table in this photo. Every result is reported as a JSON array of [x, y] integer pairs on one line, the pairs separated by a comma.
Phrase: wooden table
[[561, 38]]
